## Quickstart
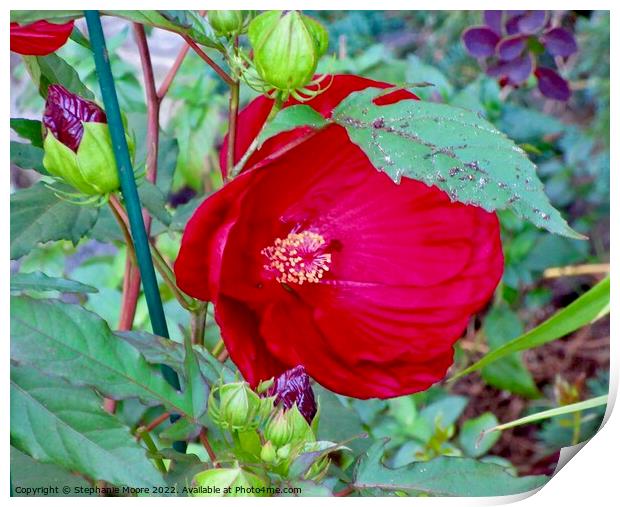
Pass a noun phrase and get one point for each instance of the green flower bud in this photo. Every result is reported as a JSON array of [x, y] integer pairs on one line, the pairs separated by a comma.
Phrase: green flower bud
[[284, 452], [229, 23], [278, 428], [238, 408], [287, 46], [288, 426], [268, 453], [227, 482]]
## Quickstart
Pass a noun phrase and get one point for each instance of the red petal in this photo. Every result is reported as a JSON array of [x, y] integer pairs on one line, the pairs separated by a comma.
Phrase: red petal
[[39, 38]]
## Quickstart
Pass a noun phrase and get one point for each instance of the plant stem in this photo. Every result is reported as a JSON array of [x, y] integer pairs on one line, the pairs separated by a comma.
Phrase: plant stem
[[167, 275], [347, 490], [153, 424], [233, 110], [129, 189], [219, 347], [204, 440], [148, 440], [198, 324], [220, 72], [277, 105], [165, 84]]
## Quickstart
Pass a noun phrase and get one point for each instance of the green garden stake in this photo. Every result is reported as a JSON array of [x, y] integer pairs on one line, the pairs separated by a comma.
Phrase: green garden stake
[[130, 193]]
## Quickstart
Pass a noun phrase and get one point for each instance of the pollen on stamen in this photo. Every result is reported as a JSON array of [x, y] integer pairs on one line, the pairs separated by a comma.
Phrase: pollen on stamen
[[298, 258]]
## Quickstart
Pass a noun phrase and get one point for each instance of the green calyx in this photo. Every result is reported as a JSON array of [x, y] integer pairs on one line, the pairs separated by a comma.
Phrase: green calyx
[[92, 170], [236, 407], [229, 23], [228, 482], [287, 46], [288, 427]]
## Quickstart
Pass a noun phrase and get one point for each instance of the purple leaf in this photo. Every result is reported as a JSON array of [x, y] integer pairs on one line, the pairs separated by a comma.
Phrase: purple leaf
[[532, 22], [493, 19], [559, 42], [293, 386], [511, 47], [551, 84], [65, 112], [480, 41]]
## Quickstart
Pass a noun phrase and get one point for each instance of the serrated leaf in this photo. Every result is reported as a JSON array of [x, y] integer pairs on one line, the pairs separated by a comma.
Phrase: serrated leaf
[[289, 119], [443, 476], [51, 69], [158, 350], [27, 156], [28, 129], [472, 437], [70, 342], [38, 281], [453, 149], [585, 309], [192, 24], [38, 216], [27, 473], [153, 199], [55, 422], [58, 17]]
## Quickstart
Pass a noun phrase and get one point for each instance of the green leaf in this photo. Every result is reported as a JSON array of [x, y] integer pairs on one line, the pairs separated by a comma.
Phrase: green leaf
[[58, 17], [291, 118], [39, 281], [67, 341], [500, 326], [27, 473], [51, 69], [38, 216], [585, 309], [27, 156], [196, 387], [546, 414], [28, 129], [443, 476], [153, 199], [472, 437], [158, 350], [454, 149], [192, 24], [55, 422]]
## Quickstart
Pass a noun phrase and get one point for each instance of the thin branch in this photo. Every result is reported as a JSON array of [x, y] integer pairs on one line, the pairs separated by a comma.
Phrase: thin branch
[[152, 102], [233, 110], [198, 324], [347, 490], [148, 440], [153, 424], [582, 269], [165, 85], [207, 445], [221, 72]]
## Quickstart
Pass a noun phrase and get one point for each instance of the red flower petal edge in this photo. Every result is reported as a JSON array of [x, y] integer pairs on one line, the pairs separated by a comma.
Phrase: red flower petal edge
[[65, 112], [312, 257], [39, 38]]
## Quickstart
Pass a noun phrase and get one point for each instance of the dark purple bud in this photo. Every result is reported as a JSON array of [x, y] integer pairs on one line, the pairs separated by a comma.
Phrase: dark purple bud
[[511, 47], [493, 19], [532, 22], [551, 84], [559, 42], [480, 41], [293, 386], [65, 112]]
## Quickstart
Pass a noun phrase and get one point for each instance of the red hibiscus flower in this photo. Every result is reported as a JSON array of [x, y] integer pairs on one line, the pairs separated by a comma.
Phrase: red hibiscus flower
[[313, 257], [39, 38]]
